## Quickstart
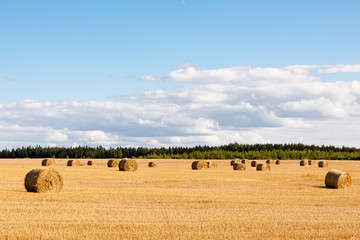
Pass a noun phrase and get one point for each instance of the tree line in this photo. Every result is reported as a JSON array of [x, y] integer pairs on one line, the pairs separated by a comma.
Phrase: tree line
[[230, 151]]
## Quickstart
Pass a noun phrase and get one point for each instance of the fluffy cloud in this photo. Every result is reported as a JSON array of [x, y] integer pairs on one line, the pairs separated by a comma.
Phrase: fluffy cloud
[[243, 104]]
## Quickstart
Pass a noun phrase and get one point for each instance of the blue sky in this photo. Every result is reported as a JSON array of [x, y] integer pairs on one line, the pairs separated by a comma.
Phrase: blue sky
[[113, 53]]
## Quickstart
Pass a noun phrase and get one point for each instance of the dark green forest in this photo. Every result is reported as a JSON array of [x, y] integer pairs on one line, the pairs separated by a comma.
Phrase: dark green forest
[[230, 151]]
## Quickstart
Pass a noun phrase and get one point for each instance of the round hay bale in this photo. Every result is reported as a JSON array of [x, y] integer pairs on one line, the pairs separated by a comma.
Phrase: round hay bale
[[263, 167], [113, 163], [269, 161], [278, 162], [337, 179], [72, 163], [239, 166], [152, 164], [311, 162], [234, 161], [244, 161], [304, 162], [211, 164], [128, 165], [254, 163], [323, 164], [198, 165], [48, 162], [91, 163], [43, 180]]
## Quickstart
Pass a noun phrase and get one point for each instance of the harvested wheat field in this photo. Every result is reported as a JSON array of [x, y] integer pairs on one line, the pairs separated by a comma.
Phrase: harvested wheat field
[[174, 202]]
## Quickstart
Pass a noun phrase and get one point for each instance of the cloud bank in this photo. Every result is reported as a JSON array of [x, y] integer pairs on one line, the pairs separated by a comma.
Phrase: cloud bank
[[243, 104]]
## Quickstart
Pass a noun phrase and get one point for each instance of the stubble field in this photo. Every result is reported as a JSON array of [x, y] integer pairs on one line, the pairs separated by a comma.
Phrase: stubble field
[[172, 201]]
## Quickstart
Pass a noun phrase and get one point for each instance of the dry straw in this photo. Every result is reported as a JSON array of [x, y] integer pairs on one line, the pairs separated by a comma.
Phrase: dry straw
[[244, 161], [323, 164], [254, 163], [72, 163], [278, 162], [152, 164], [337, 179], [48, 162], [311, 162], [211, 164], [128, 165], [113, 163], [269, 161], [304, 162], [239, 166], [234, 161], [91, 163], [263, 167], [43, 180], [198, 165]]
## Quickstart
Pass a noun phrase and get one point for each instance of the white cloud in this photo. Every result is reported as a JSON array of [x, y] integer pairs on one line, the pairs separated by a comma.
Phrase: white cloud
[[243, 104]]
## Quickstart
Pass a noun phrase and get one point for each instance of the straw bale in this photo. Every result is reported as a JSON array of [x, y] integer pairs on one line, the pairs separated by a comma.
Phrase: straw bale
[[91, 163], [113, 163], [269, 161], [43, 180], [152, 164], [72, 163], [304, 162], [311, 162], [323, 164], [244, 161], [234, 161], [239, 166], [263, 167], [128, 165], [211, 164], [198, 165], [254, 163], [278, 162], [48, 162], [337, 179]]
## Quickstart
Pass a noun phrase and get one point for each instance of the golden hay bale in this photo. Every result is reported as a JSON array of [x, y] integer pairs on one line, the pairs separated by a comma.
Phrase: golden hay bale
[[72, 163], [91, 163], [113, 163], [304, 162], [337, 179], [311, 162], [322, 163], [211, 164], [128, 165], [48, 162], [239, 166], [269, 161], [244, 161], [198, 165], [43, 180], [152, 164], [234, 161], [278, 162], [254, 163], [263, 167]]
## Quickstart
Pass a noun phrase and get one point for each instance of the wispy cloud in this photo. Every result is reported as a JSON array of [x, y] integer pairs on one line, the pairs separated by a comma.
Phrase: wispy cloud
[[10, 79], [243, 104]]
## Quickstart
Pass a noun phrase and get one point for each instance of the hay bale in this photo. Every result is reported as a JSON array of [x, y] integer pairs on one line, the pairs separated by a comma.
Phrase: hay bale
[[198, 165], [211, 164], [263, 167], [43, 180], [278, 162], [269, 161], [91, 163], [244, 161], [152, 164], [239, 166], [113, 163], [322, 163], [254, 163], [234, 161], [304, 162], [311, 162], [128, 165], [48, 162], [72, 163], [337, 179]]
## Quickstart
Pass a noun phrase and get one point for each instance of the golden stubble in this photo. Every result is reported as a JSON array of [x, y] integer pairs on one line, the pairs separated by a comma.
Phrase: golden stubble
[[172, 201]]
